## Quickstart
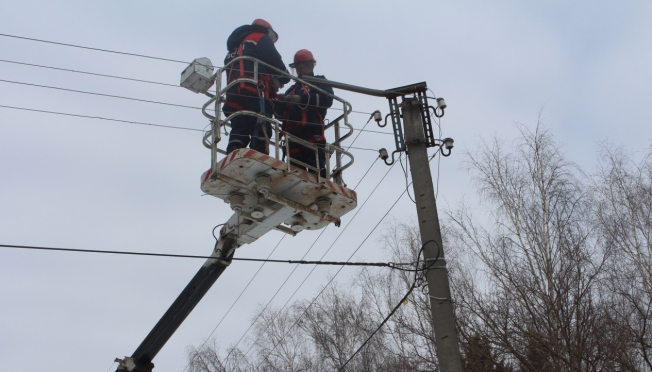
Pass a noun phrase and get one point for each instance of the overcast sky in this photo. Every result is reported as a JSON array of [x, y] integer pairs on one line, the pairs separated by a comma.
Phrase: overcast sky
[[96, 184]]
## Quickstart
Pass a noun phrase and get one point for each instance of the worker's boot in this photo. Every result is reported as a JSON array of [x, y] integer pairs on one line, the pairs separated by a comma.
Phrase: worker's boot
[[231, 147]]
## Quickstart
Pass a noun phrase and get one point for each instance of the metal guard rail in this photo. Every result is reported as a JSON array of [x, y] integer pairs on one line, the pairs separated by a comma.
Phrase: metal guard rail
[[331, 148]]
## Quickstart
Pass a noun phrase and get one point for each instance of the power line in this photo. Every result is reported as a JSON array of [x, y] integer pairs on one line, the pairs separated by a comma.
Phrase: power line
[[356, 137], [338, 271], [235, 302], [337, 238], [128, 121], [150, 101], [265, 260], [292, 272], [112, 364], [398, 305], [98, 94], [334, 276], [274, 296], [100, 118], [89, 73], [91, 48], [146, 101], [314, 242], [405, 172], [360, 148], [139, 80], [115, 52]]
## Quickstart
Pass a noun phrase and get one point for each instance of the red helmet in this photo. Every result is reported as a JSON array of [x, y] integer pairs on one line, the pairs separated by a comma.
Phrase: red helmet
[[271, 33], [304, 55]]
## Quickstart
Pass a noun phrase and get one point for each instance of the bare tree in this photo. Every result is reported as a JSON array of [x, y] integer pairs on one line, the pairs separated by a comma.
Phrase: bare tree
[[555, 274], [623, 193], [531, 295], [338, 322], [409, 336], [280, 345], [207, 359]]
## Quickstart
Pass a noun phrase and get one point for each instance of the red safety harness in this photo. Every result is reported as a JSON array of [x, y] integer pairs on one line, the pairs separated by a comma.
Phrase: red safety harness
[[265, 87], [304, 118]]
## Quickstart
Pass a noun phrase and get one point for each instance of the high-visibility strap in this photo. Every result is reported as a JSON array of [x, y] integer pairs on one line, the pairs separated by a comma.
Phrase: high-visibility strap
[[251, 38]]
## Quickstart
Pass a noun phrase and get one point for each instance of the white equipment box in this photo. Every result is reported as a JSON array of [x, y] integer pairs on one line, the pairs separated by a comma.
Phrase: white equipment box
[[198, 76]]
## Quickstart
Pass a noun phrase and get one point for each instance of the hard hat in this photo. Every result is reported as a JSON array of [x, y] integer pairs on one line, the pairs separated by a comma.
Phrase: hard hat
[[304, 55], [261, 22]]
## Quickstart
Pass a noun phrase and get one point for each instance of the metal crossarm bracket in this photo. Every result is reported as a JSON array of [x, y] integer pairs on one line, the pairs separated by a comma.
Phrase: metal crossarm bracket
[[419, 91], [425, 118], [395, 114]]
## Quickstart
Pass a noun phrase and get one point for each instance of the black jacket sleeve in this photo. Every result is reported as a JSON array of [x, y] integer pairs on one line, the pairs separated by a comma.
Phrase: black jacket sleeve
[[317, 98], [270, 55]]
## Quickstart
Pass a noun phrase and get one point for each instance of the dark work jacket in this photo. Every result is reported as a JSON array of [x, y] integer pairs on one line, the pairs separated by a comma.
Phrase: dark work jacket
[[305, 120], [252, 40]]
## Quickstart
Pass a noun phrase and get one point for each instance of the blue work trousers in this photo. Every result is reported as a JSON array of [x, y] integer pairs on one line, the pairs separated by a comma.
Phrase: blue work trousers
[[307, 155], [246, 129]]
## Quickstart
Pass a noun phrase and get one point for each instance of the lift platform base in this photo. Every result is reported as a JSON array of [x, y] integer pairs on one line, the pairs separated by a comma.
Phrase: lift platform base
[[267, 194]]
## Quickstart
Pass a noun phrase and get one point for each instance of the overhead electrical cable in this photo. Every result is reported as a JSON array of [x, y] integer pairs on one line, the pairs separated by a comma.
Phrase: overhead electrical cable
[[135, 99], [338, 271], [333, 243], [334, 276], [265, 260], [91, 73], [273, 297], [311, 246], [115, 52], [405, 173], [99, 94], [91, 48], [315, 241], [100, 118], [137, 80], [234, 302], [125, 121], [401, 302], [149, 101], [111, 366]]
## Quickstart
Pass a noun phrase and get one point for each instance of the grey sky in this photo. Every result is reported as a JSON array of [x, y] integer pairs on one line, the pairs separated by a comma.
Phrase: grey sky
[[84, 183]]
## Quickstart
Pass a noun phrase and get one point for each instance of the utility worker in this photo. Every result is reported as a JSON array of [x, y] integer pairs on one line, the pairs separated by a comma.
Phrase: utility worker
[[302, 110], [255, 40]]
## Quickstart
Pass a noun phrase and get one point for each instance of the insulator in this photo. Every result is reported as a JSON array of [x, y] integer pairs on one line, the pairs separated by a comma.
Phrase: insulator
[[378, 117], [324, 205], [383, 153], [441, 103], [448, 143], [237, 201], [263, 183], [298, 223]]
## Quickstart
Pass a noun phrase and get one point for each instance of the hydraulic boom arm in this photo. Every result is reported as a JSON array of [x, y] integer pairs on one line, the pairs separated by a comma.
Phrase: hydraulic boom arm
[[141, 359]]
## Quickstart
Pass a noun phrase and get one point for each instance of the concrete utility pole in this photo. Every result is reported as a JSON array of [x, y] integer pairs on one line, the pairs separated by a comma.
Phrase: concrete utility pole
[[441, 307]]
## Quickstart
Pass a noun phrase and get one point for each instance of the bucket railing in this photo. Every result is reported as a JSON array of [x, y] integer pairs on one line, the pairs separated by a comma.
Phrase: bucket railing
[[218, 124]]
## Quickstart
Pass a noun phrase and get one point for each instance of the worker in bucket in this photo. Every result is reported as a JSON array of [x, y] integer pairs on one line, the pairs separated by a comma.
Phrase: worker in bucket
[[255, 40], [302, 110]]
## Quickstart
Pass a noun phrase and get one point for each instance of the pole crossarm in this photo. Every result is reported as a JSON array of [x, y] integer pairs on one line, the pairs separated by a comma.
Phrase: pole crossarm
[[389, 93]]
